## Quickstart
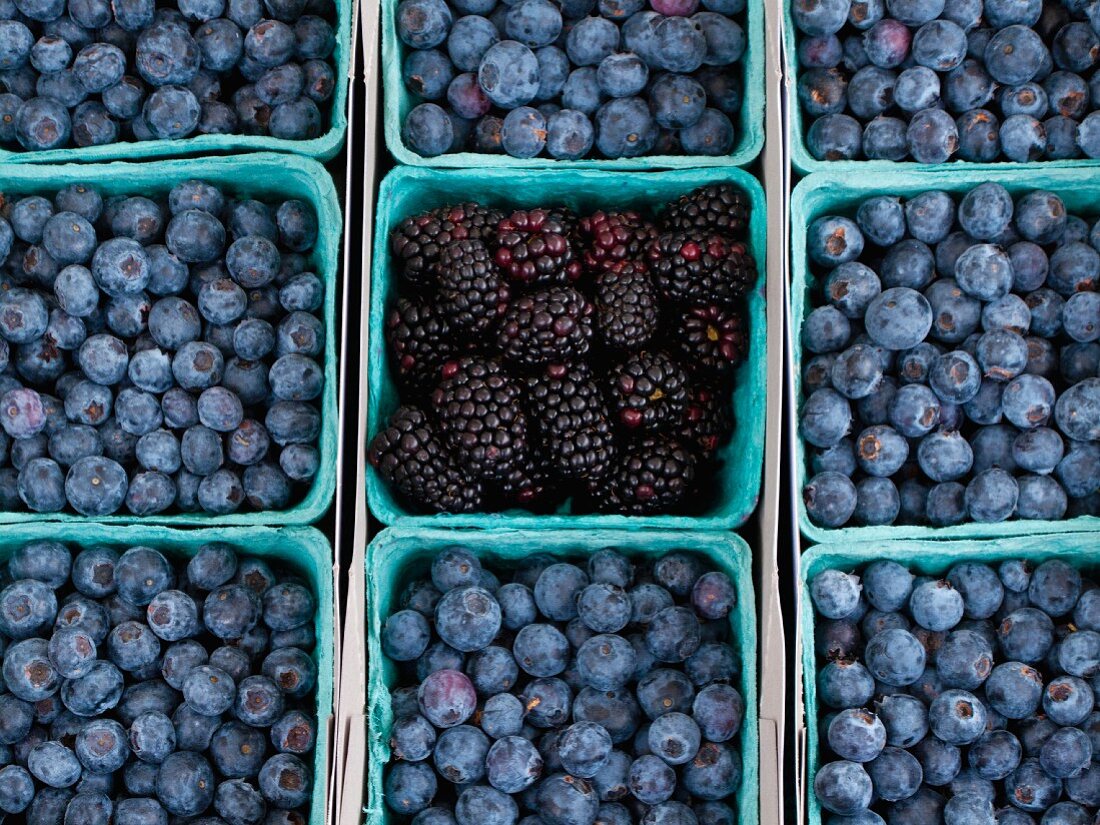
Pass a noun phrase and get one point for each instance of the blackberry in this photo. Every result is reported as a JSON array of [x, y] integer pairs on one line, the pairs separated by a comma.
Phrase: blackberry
[[549, 326], [534, 248], [652, 476], [708, 419], [711, 339], [574, 422], [613, 237], [698, 269], [409, 455], [648, 392], [472, 295], [420, 342], [417, 242], [717, 209], [481, 416], [533, 486], [627, 316]]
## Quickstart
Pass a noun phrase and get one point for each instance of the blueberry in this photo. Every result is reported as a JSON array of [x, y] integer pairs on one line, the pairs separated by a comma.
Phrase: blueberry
[[830, 498], [843, 788], [569, 135]]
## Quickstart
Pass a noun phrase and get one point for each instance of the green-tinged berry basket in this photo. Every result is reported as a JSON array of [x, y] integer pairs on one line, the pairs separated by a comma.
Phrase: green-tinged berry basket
[[302, 551], [748, 126], [922, 557], [408, 190], [334, 123], [838, 192], [397, 555], [261, 176]]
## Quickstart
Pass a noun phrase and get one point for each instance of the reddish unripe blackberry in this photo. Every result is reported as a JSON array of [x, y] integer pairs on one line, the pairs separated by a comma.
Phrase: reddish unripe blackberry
[[711, 339], [648, 392], [652, 476], [420, 342], [627, 316], [574, 421], [472, 295], [481, 417], [545, 327], [613, 237], [700, 269], [408, 454], [534, 248], [719, 209]]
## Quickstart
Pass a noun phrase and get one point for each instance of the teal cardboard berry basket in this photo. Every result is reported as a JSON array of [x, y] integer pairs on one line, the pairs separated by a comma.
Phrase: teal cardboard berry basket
[[836, 192], [408, 190], [922, 557], [334, 120], [302, 551], [262, 176], [748, 125], [398, 555]]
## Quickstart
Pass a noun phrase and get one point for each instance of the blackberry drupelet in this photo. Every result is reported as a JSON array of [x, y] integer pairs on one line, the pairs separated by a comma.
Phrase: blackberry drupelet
[[417, 242], [652, 476], [708, 419], [409, 455], [534, 248], [648, 392], [699, 269], [627, 315], [613, 237], [472, 295], [574, 422], [420, 342], [719, 209], [481, 416], [551, 326], [711, 339]]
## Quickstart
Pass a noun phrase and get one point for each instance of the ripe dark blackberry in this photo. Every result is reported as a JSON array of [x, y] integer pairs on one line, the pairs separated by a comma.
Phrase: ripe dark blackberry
[[627, 316], [708, 419], [648, 392], [719, 209], [481, 416], [532, 486], [613, 237], [652, 476], [417, 242], [409, 455], [711, 339], [699, 269], [420, 342], [574, 422], [535, 248], [552, 326], [472, 295]]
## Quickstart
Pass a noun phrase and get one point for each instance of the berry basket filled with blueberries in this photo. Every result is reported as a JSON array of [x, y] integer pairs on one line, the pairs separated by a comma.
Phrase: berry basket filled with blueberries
[[546, 677], [156, 675], [619, 84], [952, 682], [931, 82], [168, 336], [947, 359], [90, 80], [538, 361]]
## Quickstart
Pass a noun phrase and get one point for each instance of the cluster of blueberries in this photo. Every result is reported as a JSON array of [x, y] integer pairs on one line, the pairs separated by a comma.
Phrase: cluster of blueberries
[[963, 700], [952, 369], [572, 78], [139, 690], [93, 72], [567, 696], [980, 80], [157, 354]]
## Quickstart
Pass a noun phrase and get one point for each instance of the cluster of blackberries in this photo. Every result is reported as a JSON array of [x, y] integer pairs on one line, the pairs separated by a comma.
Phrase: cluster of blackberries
[[952, 368], [572, 78], [964, 700], [140, 689], [93, 72], [565, 697], [542, 355], [930, 80], [158, 355]]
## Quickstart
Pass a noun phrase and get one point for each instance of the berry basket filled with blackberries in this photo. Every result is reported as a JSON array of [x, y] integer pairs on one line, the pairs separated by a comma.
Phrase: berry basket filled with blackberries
[[628, 84], [586, 350]]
